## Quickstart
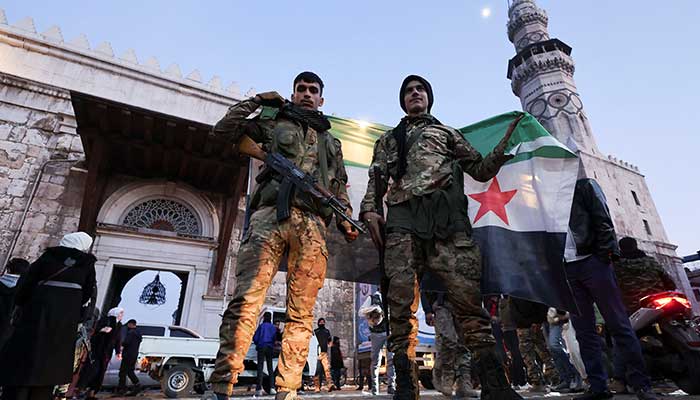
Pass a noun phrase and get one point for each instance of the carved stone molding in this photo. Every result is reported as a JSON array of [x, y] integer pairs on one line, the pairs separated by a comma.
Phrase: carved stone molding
[[530, 38], [535, 66], [551, 104], [525, 16]]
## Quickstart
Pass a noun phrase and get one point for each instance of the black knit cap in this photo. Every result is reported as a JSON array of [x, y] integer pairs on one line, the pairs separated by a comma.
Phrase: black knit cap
[[426, 84]]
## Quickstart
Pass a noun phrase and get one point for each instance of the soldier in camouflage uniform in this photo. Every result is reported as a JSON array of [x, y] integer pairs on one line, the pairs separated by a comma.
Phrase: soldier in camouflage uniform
[[422, 162], [452, 359], [298, 131], [537, 358], [639, 275]]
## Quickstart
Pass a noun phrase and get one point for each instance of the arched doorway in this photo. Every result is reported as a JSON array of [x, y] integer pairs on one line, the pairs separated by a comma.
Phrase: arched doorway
[[128, 284], [164, 228]]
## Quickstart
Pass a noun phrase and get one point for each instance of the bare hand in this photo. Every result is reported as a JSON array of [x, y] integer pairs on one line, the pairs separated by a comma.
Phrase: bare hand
[[430, 319], [374, 222], [350, 233], [511, 128], [119, 357], [269, 99]]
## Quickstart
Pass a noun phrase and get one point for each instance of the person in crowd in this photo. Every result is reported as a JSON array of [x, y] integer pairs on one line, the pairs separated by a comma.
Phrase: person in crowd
[[337, 363], [363, 374], [8, 286], [518, 373], [420, 165], [570, 380], [529, 317], [591, 246], [49, 305], [264, 339], [130, 353], [639, 275], [323, 370], [568, 333], [452, 359], [105, 342], [300, 132], [278, 340], [372, 311]]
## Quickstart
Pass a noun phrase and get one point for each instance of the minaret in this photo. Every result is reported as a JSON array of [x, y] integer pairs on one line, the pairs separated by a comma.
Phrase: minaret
[[542, 76]]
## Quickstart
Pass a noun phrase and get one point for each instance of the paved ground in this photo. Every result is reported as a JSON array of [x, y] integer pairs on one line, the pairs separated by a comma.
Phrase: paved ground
[[348, 393]]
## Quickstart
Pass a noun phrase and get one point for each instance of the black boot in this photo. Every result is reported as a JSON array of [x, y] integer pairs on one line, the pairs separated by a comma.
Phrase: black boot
[[494, 384], [406, 378]]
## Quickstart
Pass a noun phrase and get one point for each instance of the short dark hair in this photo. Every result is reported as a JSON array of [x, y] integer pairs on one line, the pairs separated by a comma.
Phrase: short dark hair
[[267, 317], [309, 77], [17, 266], [131, 321], [627, 244], [321, 319]]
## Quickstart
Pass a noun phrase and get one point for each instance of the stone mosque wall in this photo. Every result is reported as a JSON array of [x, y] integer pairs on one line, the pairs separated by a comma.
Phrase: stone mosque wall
[[38, 128]]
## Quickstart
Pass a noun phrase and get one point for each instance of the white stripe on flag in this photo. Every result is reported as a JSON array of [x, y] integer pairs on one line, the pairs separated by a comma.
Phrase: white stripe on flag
[[542, 203], [542, 141]]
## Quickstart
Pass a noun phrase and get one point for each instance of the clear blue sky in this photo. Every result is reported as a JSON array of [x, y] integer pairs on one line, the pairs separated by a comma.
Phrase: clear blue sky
[[637, 64]]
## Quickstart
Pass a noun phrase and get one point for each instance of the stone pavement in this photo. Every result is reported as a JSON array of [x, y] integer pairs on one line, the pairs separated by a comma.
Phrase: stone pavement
[[349, 393]]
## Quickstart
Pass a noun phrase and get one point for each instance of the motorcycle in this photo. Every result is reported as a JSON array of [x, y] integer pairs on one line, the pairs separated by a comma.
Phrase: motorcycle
[[669, 338]]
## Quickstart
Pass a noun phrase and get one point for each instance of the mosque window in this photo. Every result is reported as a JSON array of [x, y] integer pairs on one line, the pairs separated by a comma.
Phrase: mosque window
[[636, 199], [164, 215], [646, 226]]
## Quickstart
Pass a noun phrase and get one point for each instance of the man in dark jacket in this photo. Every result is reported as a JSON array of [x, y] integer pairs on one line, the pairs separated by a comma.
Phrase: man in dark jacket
[[591, 245], [130, 353], [322, 335], [264, 339]]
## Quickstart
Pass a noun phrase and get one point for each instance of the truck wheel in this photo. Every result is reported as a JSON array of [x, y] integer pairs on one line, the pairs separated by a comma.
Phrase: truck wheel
[[178, 382], [426, 379]]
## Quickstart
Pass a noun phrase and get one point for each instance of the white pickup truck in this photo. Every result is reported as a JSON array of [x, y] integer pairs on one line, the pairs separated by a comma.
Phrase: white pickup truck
[[183, 364]]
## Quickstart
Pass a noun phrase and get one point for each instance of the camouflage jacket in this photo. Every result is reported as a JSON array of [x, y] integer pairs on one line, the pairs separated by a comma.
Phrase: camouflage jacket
[[429, 162], [288, 138], [640, 277]]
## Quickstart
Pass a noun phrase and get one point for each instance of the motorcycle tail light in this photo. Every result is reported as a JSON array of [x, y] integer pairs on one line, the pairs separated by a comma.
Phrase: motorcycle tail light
[[666, 299], [694, 344]]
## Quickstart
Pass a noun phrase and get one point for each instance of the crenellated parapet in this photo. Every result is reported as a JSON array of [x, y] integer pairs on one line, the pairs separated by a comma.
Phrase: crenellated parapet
[[25, 30], [623, 164]]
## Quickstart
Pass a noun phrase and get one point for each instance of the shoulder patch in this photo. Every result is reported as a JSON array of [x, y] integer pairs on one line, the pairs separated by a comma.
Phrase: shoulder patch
[[269, 113]]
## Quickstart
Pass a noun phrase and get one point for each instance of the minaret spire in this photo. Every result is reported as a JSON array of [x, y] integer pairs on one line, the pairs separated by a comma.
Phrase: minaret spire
[[542, 75]]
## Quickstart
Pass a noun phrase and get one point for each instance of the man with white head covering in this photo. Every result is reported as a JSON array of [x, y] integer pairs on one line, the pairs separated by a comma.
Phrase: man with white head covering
[[49, 304]]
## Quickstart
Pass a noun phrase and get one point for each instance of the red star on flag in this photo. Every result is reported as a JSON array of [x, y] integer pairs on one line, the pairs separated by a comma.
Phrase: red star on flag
[[493, 199]]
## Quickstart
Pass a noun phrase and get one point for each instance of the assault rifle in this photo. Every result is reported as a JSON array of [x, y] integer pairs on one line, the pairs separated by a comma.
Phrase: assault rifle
[[292, 178]]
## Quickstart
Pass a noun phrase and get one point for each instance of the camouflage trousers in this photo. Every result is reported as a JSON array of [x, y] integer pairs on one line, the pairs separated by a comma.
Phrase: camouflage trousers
[[452, 361], [262, 248], [457, 263], [536, 356]]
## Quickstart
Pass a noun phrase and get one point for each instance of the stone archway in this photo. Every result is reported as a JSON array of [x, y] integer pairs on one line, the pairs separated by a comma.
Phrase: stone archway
[[157, 226]]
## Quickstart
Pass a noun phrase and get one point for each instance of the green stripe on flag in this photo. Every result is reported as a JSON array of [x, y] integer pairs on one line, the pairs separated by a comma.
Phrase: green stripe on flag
[[543, 152], [485, 135], [530, 139]]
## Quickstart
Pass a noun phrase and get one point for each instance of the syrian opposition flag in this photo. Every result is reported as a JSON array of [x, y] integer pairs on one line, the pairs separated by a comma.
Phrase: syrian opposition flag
[[520, 217]]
